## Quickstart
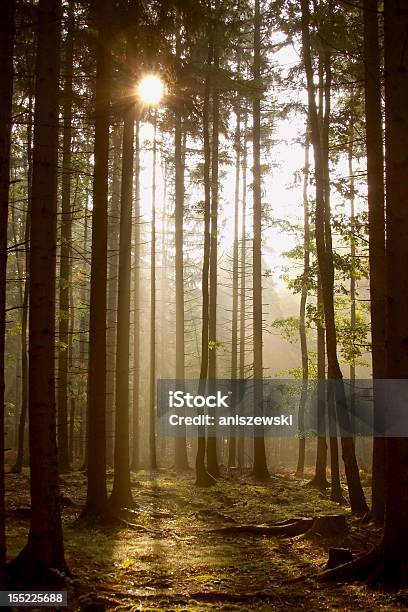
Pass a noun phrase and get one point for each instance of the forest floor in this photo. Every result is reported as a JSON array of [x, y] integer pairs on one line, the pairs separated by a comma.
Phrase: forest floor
[[173, 560]]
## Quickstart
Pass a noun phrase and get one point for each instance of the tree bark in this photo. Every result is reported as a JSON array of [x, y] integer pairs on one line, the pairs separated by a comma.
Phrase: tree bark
[[203, 478], [302, 316], [24, 315], [260, 469], [212, 460], [152, 375], [180, 444], [136, 315], [6, 87], [96, 502], [44, 551], [65, 253], [121, 493], [112, 289], [396, 146], [376, 233], [232, 447], [243, 272]]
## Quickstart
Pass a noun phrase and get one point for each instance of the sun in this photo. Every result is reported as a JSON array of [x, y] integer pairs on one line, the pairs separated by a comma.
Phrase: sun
[[150, 90]]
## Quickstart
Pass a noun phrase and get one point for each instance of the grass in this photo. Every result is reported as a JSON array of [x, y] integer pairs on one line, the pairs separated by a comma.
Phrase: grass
[[182, 565]]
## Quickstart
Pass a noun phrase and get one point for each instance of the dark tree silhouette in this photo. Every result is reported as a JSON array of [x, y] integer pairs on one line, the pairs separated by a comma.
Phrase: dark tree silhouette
[[44, 551], [6, 87], [96, 492]]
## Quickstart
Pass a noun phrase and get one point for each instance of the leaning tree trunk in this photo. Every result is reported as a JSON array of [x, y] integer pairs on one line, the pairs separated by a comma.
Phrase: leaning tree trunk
[[325, 257], [6, 87], [44, 551], [96, 501], [121, 492], [376, 233], [65, 253], [260, 469]]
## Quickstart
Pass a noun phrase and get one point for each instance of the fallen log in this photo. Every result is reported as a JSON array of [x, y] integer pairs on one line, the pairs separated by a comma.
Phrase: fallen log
[[289, 530]]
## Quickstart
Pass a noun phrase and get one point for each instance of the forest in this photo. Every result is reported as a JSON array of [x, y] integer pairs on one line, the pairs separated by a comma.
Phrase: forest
[[203, 195]]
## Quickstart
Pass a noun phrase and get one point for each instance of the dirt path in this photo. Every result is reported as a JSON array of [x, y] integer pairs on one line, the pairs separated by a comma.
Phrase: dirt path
[[174, 561]]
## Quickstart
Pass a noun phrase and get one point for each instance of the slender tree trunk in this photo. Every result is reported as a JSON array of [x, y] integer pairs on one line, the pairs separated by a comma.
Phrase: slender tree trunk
[[65, 254], [83, 345], [260, 469], [6, 87], [243, 271], [152, 381], [352, 275], [121, 492], [113, 273], [325, 256], [180, 444], [136, 315], [96, 502], [44, 551], [72, 411], [24, 314], [376, 231], [212, 460], [232, 447], [203, 478], [302, 316], [319, 481]]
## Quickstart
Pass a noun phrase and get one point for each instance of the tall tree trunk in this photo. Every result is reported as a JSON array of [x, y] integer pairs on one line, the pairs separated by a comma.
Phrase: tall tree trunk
[[72, 412], [302, 315], [325, 255], [83, 345], [203, 478], [6, 87], [243, 272], [212, 460], [396, 147], [113, 273], [65, 254], [121, 493], [136, 312], [260, 469], [152, 374], [180, 444], [319, 481], [232, 447], [376, 231], [44, 551], [24, 314], [96, 501]]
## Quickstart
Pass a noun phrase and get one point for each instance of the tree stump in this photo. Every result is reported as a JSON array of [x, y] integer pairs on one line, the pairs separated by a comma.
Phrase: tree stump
[[338, 556], [329, 525]]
